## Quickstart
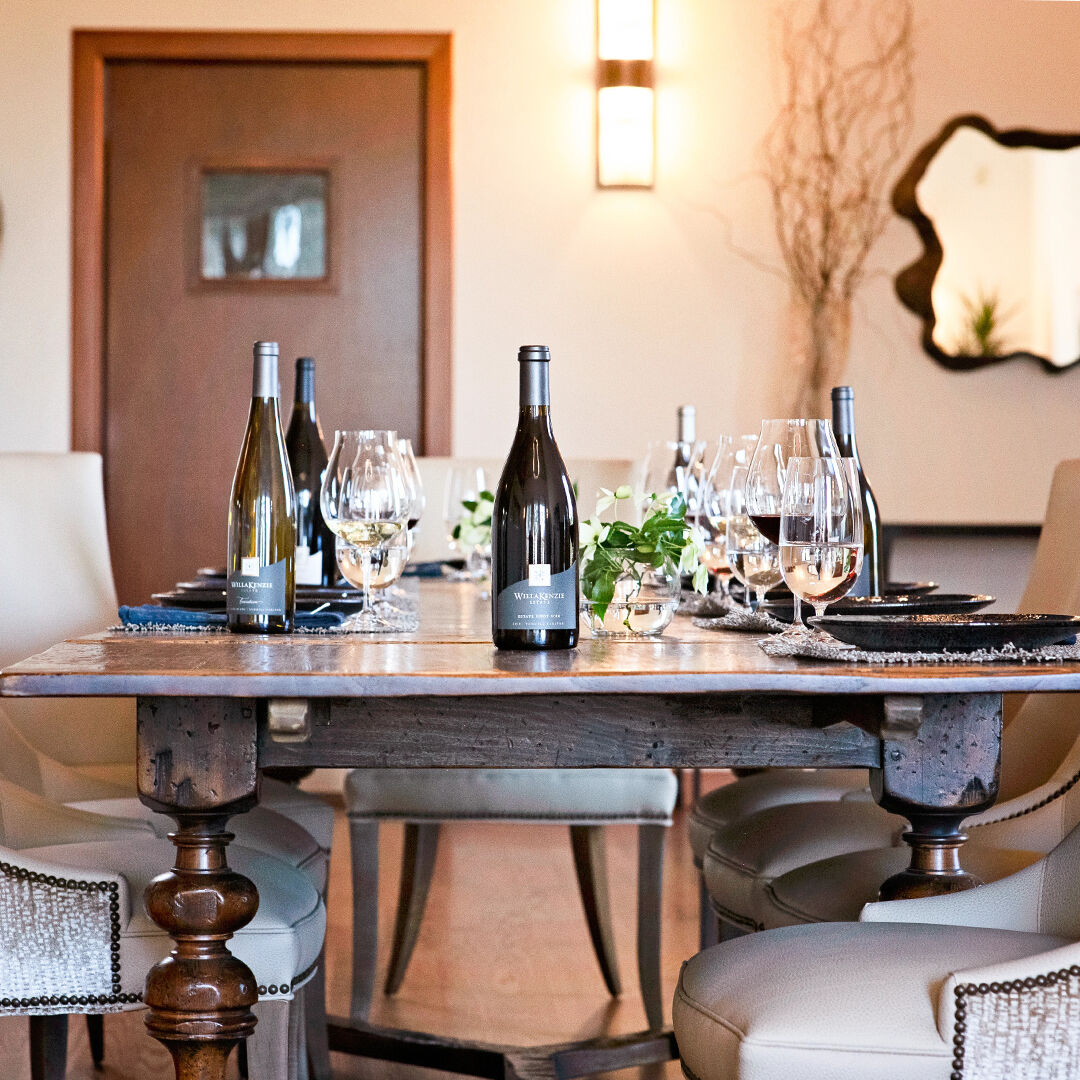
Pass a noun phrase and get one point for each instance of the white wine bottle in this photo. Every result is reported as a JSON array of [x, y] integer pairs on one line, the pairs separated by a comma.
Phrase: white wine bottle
[[534, 527], [261, 568]]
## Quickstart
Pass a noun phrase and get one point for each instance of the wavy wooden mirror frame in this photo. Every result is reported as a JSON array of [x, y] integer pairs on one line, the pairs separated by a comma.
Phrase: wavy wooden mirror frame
[[914, 284]]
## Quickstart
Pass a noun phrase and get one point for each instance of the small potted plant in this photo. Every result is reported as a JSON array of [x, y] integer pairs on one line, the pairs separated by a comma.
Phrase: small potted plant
[[631, 574]]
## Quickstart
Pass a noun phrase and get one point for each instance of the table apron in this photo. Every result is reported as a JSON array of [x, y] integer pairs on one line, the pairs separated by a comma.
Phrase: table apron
[[574, 731]]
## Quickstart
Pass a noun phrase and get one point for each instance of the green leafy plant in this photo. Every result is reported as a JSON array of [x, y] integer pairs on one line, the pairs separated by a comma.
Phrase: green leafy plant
[[617, 549], [982, 329], [474, 528]]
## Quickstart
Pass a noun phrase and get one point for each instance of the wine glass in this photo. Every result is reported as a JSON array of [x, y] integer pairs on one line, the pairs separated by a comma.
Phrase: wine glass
[[670, 467], [417, 502], [778, 441], [754, 559], [466, 484], [821, 533], [365, 503], [710, 511]]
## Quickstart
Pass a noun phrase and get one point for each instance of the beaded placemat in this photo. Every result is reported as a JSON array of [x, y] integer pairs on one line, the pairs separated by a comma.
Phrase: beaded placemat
[[707, 605], [750, 622], [824, 650]]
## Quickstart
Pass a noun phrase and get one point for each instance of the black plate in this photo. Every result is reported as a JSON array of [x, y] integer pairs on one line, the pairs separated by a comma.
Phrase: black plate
[[893, 604], [782, 592], [214, 599], [911, 588], [955, 633]]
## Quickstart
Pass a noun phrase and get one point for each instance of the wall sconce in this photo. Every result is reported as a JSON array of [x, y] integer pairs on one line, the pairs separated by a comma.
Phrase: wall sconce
[[625, 100]]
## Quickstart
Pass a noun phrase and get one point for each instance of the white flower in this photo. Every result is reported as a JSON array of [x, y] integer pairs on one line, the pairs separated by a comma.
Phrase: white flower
[[609, 498], [592, 532]]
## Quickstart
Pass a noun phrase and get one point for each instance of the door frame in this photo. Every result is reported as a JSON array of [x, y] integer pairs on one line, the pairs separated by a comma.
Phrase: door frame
[[93, 50]]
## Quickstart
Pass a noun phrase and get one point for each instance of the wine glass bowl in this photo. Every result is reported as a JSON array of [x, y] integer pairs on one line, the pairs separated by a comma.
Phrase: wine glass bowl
[[821, 532]]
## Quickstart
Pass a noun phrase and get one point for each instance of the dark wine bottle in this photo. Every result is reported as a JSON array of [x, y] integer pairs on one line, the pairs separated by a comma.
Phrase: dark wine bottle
[[534, 527], [871, 579], [679, 475], [261, 584], [315, 560]]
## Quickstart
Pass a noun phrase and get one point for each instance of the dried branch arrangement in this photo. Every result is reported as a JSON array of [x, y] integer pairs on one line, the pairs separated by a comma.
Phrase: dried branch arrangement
[[844, 119]]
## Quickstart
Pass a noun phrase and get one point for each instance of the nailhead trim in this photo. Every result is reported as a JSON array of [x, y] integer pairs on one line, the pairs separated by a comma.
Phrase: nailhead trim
[[284, 988], [1014, 986], [111, 887], [1067, 786]]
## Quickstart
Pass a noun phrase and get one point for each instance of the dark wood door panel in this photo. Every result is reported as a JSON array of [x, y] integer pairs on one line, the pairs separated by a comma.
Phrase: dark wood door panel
[[178, 350]]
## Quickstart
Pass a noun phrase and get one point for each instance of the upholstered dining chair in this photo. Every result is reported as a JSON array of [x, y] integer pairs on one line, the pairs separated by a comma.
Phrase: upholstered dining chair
[[978, 985], [75, 936], [56, 582], [1040, 760], [585, 800]]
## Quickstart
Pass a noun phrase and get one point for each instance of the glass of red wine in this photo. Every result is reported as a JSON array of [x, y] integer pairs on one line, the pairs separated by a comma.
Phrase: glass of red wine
[[821, 533], [778, 442]]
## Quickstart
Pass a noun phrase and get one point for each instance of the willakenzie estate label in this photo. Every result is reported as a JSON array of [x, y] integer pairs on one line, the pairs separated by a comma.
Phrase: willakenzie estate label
[[548, 606], [256, 590]]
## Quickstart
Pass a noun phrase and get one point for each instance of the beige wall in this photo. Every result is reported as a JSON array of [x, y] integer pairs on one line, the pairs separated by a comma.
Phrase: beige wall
[[637, 293]]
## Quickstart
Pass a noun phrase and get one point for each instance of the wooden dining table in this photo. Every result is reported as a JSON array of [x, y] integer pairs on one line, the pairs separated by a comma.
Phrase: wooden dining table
[[216, 708]]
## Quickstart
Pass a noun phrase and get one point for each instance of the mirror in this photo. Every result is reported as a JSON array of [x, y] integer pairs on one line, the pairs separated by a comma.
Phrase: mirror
[[998, 213]]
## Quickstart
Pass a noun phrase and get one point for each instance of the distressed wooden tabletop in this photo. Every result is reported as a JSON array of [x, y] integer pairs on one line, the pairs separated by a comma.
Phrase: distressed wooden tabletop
[[451, 653]]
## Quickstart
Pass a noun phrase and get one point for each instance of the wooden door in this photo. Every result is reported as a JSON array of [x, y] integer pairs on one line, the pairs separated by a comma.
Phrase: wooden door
[[346, 137]]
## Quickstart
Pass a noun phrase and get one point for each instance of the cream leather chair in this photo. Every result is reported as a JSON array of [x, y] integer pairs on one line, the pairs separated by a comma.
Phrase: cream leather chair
[[75, 937], [586, 800], [979, 985], [1040, 757], [56, 582]]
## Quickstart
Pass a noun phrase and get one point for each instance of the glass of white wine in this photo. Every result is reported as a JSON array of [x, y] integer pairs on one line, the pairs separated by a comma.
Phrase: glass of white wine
[[753, 558], [821, 533], [365, 501]]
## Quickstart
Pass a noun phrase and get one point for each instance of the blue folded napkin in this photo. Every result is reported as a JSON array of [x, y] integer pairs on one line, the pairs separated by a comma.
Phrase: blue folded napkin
[[152, 615], [423, 569]]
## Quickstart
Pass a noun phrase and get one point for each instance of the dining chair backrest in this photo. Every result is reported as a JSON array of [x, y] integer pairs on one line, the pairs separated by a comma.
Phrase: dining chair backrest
[[1041, 729], [55, 572], [1054, 582], [589, 474], [56, 582]]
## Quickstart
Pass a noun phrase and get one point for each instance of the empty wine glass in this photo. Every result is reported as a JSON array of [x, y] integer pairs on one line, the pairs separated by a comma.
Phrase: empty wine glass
[[670, 466], [417, 501], [753, 558], [780, 440], [821, 533], [365, 503], [468, 484]]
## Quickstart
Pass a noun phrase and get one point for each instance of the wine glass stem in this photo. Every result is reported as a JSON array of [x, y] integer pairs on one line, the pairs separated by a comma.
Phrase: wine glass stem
[[797, 609], [759, 595], [365, 571]]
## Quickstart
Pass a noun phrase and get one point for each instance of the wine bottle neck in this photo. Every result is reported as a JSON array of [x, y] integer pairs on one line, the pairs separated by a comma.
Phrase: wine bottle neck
[[535, 394], [686, 423], [844, 427], [264, 383]]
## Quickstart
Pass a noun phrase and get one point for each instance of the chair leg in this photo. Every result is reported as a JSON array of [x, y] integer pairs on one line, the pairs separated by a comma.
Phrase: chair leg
[[708, 931], [95, 1031], [268, 1047], [417, 867], [364, 848], [318, 1046], [48, 1047], [650, 901], [590, 862]]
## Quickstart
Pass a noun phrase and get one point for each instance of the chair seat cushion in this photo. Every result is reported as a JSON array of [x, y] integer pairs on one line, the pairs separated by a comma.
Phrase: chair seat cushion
[[311, 813], [838, 1001], [759, 791], [835, 890], [259, 829], [744, 856], [582, 796], [280, 944]]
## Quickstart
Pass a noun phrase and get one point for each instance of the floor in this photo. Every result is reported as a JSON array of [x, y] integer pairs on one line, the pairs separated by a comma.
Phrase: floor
[[503, 954]]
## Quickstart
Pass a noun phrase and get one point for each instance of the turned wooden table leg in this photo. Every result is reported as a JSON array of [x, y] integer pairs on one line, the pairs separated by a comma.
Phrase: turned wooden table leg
[[940, 760], [196, 763]]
